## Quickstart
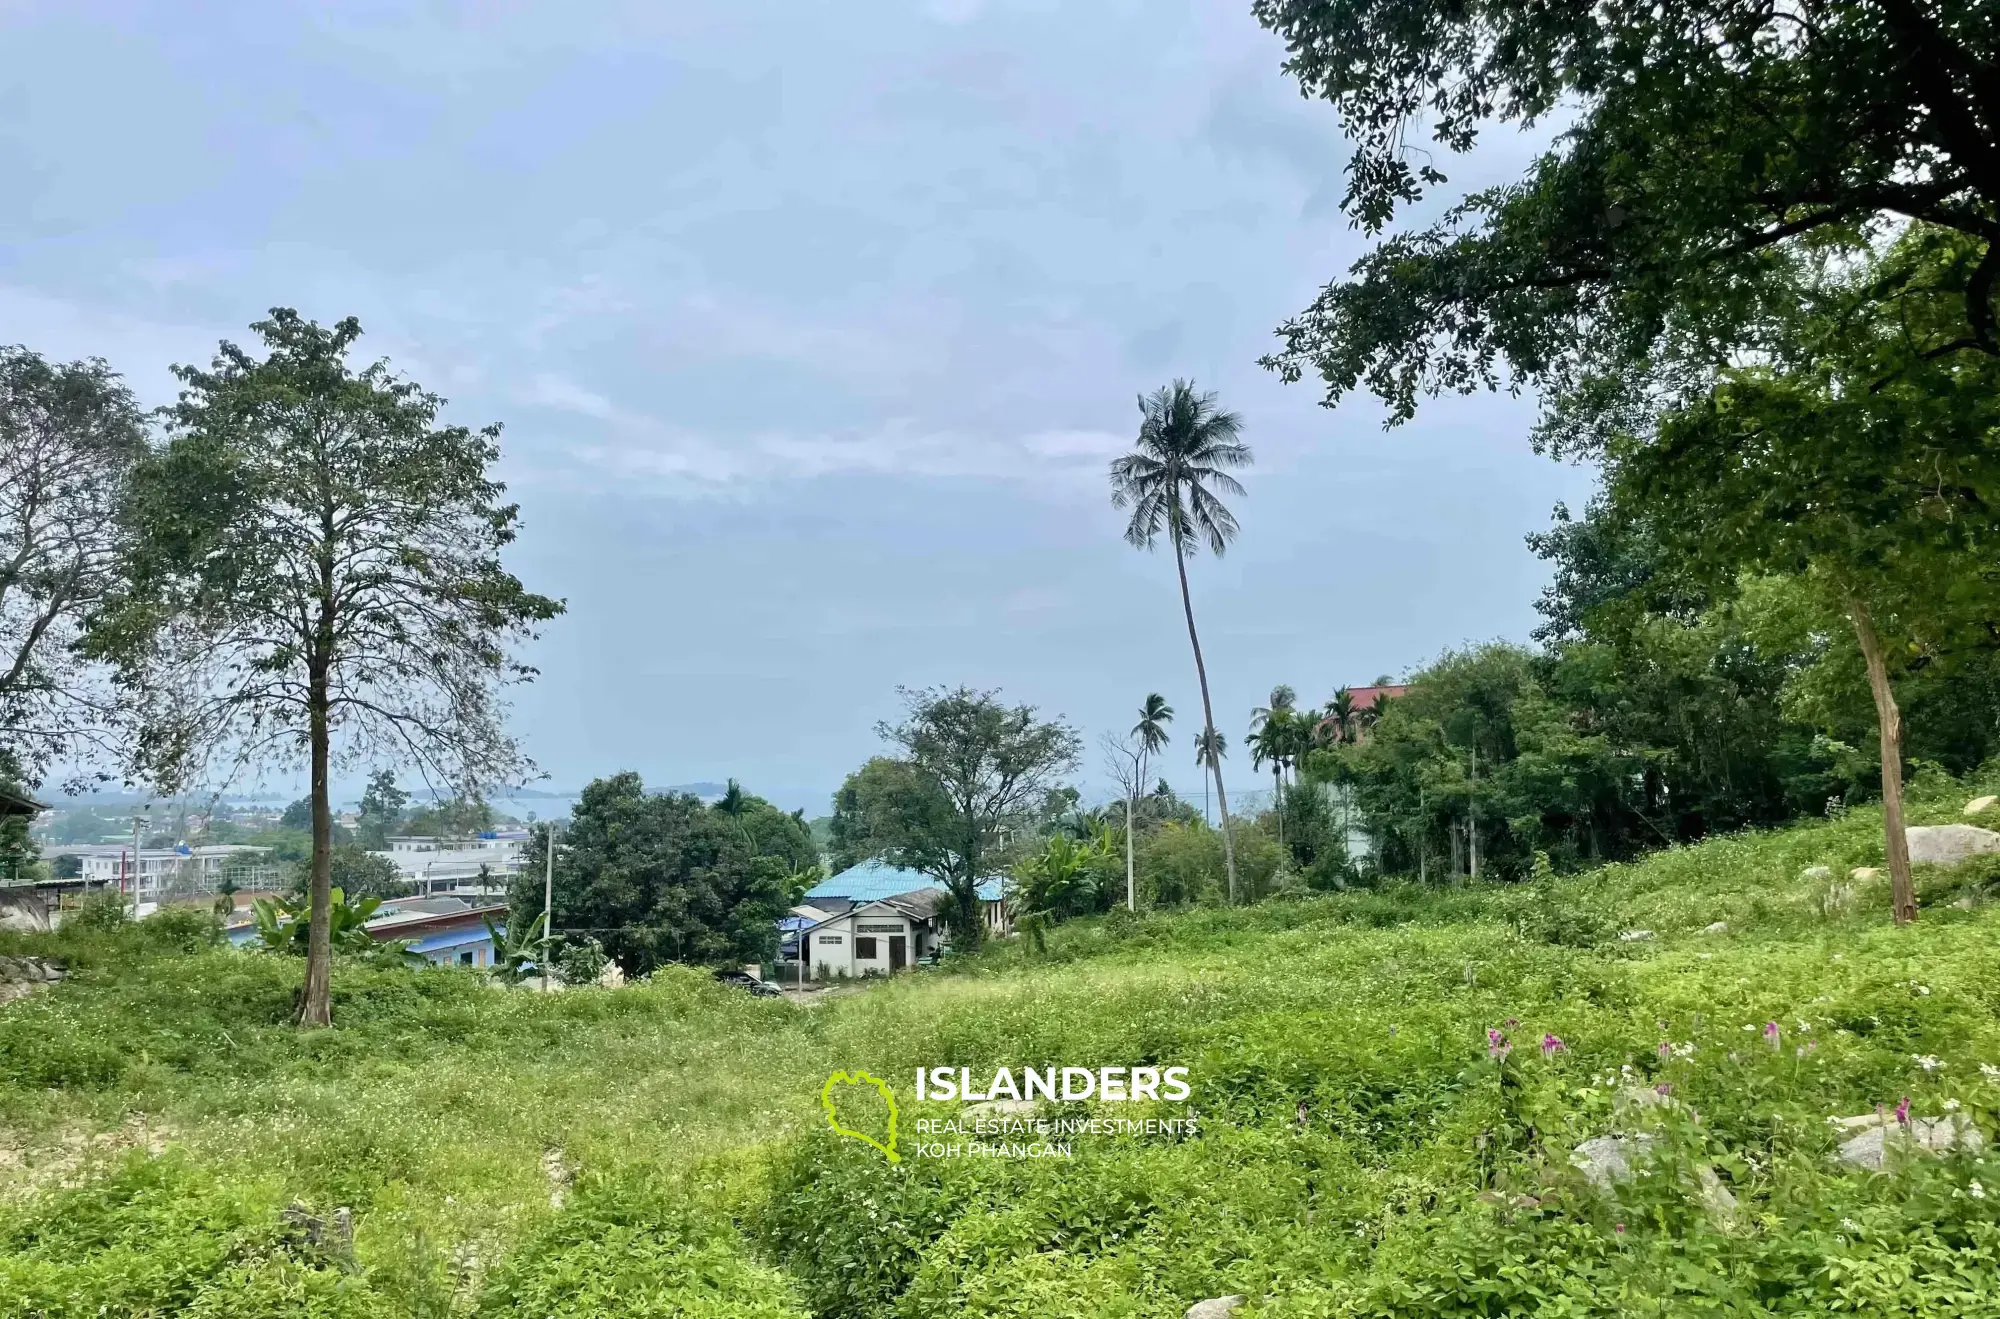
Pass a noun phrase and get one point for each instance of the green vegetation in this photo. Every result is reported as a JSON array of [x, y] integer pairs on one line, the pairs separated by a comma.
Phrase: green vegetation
[[655, 1150]]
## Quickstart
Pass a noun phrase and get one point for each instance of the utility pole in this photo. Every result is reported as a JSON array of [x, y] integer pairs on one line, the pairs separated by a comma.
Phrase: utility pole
[[548, 904], [1472, 813], [136, 817]]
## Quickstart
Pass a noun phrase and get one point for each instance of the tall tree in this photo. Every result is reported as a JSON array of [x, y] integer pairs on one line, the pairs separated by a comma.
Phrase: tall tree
[[1187, 448], [1706, 136], [969, 773], [1149, 735], [1858, 459], [69, 436], [1209, 748], [658, 878], [382, 807], [315, 568]]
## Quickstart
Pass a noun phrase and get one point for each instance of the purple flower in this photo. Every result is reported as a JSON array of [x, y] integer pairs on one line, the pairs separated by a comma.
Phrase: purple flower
[[1497, 1047], [1666, 1049], [1771, 1033], [1552, 1045], [1663, 1089], [1903, 1112], [1513, 1022]]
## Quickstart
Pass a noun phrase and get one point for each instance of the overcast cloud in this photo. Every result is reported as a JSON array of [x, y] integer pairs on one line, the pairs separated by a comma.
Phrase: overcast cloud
[[812, 328]]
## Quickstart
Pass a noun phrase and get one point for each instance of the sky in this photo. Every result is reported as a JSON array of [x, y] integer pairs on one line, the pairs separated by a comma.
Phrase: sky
[[812, 329]]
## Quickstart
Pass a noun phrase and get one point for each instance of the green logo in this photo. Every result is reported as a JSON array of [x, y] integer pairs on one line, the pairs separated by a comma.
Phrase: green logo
[[826, 1101]]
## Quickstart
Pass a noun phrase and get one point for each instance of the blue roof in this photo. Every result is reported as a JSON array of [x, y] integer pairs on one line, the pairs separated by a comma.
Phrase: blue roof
[[871, 881]]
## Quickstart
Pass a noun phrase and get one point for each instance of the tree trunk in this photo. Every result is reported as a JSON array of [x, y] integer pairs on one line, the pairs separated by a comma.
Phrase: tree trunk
[[1207, 718], [1889, 721], [1131, 900], [317, 1007]]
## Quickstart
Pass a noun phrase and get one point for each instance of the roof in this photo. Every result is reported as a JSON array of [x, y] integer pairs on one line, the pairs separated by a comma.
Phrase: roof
[[1363, 697], [873, 880], [16, 803], [918, 904], [423, 924]]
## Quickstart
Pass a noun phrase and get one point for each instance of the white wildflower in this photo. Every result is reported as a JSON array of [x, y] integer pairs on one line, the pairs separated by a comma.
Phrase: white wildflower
[[1926, 1061], [1977, 1191], [1989, 1071], [1951, 1106]]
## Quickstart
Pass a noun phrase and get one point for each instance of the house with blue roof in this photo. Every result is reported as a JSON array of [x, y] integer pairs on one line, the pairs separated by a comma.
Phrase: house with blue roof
[[874, 919]]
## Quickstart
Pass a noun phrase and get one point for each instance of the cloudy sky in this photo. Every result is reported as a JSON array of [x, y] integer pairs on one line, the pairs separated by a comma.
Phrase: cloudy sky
[[812, 328]]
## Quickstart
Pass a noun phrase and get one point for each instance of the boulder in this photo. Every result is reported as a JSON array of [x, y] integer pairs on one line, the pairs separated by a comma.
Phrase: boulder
[[1606, 1161], [1949, 844], [1863, 874], [1816, 872], [1925, 1135], [1719, 927], [1003, 1108], [1714, 1196], [1979, 804], [1635, 936], [1964, 903], [1215, 1307]]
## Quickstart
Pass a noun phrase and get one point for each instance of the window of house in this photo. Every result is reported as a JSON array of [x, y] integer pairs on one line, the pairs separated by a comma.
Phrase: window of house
[[830, 938], [864, 948], [465, 959]]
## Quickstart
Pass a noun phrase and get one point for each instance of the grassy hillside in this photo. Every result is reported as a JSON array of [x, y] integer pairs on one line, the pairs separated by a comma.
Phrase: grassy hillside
[[658, 1150]]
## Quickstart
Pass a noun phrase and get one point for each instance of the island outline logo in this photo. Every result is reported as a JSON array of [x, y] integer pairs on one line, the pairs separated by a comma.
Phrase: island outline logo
[[858, 1077]]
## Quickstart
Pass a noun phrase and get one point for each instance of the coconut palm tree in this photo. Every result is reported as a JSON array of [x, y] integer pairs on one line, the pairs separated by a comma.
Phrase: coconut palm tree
[[1151, 734], [1268, 744], [1284, 701], [1187, 446], [1209, 749]]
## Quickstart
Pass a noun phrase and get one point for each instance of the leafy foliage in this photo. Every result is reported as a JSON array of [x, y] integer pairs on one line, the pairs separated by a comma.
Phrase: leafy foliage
[[283, 927], [659, 877], [969, 770]]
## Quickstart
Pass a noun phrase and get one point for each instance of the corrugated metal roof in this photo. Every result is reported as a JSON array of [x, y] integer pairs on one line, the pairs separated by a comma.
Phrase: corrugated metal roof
[[871, 881]]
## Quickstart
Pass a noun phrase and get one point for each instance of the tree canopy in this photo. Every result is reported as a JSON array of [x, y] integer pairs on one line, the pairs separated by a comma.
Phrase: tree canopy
[[312, 570], [660, 877], [969, 772], [1704, 139]]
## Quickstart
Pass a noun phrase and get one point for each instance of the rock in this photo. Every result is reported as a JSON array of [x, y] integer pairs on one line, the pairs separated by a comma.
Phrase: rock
[[1641, 1098], [1719, 927], [1865, 873], [1635, 936], [1949, 844], [1714, 1196], [1003, 1108], [1215, 1307], [1965, 903], [1926, 1135], [1978, 804], [1606, 1161], [1816, 872]]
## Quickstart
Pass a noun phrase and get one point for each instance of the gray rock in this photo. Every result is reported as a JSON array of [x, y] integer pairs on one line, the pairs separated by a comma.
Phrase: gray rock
[[1978, 804], [1635, 936], [1714, 1196], [1606, 1161], [1215, 1307], [1925, 1135], [1816, 872], [1719, 927], [1865, 873], [1949, 844], [1003, 1108], [1965, 903]]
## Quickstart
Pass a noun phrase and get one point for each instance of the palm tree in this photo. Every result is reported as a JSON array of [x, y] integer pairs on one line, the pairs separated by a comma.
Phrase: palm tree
[[1337, 723], [1209, 749], [1268, 744], [1151, 734], [1283, 702], [1186, 447]]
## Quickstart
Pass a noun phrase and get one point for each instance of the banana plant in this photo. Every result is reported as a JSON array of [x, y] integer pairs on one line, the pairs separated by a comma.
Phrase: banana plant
[[517, 954], [282, 923]]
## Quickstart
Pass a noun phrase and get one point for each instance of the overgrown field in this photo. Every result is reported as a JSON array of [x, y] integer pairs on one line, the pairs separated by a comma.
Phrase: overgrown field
[[659, 1150]]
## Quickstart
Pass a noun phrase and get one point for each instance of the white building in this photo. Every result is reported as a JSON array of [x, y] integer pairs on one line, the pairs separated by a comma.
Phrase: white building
[[872, 938], [175, 869], [483, 864]]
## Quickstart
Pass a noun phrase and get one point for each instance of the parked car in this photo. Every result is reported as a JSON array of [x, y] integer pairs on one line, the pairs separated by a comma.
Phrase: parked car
[[744, 980]]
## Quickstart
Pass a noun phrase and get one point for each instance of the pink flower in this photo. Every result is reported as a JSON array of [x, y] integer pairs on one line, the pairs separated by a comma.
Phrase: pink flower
[[1771, 1033], [1552, 1045], [1663, 1089], [1513, 1022], [1666, 1049], [1497, 1047], [1903, 1112]]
